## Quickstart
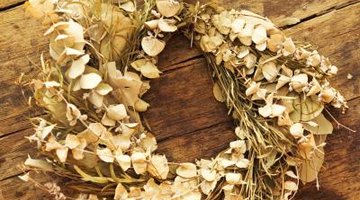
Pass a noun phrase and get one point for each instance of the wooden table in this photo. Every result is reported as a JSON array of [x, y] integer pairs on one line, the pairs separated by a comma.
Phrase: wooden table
[[186, 119]]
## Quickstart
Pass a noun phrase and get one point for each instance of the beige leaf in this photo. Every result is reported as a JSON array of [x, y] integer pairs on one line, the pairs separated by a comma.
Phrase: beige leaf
[[275, 42], [282, 80], [207, 186], [158, 166], [78, 152], [40, 164], [292, 186], [139, 162], [288, 47], [323, 126], [250, 61], [167, 25], [233, 178], [299, 82], [44, 132], [128, 6], [243, 51], [259, 35], [25, 177], [77, 67], [73, 52], [305, 109], [270, 71], [122, 141], [261, 46], [210, 43], [124, 161], [265, 111], [218, 93], [71, 141], [52, 144], [247, 32], [208, 174], [147, 68], [187, 170], [103, 89], [96, 99], [120, 192], [148, 142], [116, 112], [252, 89], [141, 105], [327, 95], [277, 110], [240, 133], [309, 169], [152, 24], [314, 59], [168, 8], [50, 84], [106, 121], [237, 25], [243, 163], [291, 174], [62, 153], [90, 81], [297, 130], [105, 155], [152, 46]]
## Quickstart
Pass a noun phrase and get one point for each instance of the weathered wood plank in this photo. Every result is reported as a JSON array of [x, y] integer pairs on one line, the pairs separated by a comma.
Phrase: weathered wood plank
[[20, 48], [277, 10], [13, 188]]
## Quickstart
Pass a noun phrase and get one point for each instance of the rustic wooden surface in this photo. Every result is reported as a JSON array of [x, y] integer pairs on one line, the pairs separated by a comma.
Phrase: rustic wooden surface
[[188, 122]]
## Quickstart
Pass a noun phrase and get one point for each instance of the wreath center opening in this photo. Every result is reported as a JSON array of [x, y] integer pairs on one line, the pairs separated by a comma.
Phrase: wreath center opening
[[184, 116]]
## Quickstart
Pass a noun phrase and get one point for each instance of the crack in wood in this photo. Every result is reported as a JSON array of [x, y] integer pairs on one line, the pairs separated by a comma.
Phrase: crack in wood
[[193, 131], [185, 63], [14, 132], [321, 13], [11, 6]]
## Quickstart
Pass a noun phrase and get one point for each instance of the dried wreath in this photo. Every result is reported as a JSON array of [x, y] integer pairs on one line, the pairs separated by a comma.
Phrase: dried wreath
[[102, 56]]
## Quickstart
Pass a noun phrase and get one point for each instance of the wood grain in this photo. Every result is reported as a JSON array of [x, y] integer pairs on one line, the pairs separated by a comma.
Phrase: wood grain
[[186, 119]]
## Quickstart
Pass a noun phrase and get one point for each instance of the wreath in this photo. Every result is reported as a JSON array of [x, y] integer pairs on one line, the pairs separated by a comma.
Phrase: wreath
[[102, 56]]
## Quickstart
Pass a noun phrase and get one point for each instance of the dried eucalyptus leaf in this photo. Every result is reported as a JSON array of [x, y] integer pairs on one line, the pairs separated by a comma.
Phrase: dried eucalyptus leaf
[[187, 170], [168, 8], [152, 46], [309, 169], [218, 93], [158, 166], [90, 81], [305, 109], [324, 126]]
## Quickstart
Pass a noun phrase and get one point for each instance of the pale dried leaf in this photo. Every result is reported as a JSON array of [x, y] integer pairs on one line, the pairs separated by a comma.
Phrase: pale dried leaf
[[218, 93], [168, 8], [152, 46], [187, 170], [139, 162], [90, 81]]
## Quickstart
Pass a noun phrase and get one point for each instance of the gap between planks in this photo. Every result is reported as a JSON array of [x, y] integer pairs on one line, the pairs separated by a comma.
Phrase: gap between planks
[[11, 6], [321, 13]]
